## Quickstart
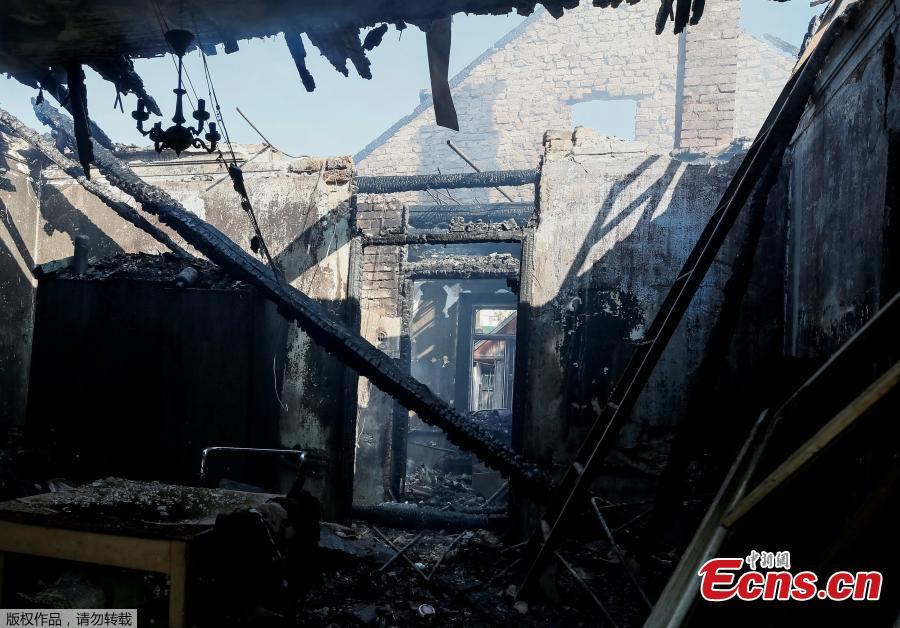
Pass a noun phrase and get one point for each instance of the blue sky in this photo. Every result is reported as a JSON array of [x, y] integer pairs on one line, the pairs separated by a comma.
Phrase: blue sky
[[343, 114]]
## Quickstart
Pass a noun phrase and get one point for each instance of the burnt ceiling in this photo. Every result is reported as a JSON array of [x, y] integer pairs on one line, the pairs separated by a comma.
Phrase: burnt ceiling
[[40, 33]]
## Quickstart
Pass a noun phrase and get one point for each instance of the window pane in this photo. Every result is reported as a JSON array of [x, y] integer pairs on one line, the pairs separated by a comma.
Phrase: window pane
[[491, 375], [489, 321]]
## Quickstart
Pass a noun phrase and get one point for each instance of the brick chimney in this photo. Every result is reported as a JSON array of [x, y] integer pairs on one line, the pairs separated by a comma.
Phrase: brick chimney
[[708, 68]]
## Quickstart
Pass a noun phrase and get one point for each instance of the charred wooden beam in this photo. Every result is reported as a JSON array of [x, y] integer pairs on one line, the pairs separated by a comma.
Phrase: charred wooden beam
[[417, 517], [418, 182], [374, 37], [437, 43], [61, 94], [298, 53], [78, 101], [439, 216], [319, 324], [697, 11], [445, 237], [339, 45], [462, 266], [48, 149]]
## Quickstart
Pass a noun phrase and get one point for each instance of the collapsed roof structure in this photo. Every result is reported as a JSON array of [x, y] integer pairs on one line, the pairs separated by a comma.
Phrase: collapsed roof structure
[[723, 207]]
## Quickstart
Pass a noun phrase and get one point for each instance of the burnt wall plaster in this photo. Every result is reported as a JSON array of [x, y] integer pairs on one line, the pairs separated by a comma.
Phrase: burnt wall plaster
[[843, 209], [18, 224], [615, 223]]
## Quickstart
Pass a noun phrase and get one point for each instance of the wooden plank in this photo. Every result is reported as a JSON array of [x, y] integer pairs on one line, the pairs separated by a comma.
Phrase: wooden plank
[[812, 448], [85, 547], [177, 583], [676, 600]]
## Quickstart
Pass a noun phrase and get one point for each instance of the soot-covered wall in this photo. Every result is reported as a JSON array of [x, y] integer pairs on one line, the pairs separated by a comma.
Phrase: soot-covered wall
[[303, 210], [615, 224]]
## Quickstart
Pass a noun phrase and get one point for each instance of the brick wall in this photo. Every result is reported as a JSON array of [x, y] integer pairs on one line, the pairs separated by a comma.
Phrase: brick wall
[[528, 81]]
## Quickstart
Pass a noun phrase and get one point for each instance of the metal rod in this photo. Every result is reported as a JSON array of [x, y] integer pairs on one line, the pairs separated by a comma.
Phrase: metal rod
[[227, 176], [444, 553], [474, 167], [449, 451], [585, 587], [619, 554], [264, 138], [391, 544], [502, 488], [402, 551]]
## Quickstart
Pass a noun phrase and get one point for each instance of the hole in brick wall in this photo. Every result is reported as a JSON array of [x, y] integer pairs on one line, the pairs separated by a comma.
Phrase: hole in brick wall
[[608, 116]]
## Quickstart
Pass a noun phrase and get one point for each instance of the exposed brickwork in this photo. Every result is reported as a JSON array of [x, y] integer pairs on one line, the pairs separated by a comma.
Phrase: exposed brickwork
[[528, 81], [380, 287], [378, 215], [710, 75]]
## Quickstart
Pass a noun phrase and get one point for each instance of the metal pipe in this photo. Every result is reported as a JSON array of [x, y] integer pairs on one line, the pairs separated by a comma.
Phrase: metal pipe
[[474, 167]]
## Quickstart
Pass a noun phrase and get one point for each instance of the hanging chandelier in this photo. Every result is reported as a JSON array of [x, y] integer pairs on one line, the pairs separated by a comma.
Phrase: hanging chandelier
[[179, 137]]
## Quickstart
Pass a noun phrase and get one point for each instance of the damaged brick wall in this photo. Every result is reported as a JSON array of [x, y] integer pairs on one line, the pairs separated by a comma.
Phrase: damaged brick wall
[[18, 223], [528, 81]]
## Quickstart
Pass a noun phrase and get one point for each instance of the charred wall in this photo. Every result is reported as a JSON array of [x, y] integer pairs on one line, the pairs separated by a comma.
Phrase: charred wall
[[18, 223], [303, 207], [843, 191], [615, 225], [135, 377]]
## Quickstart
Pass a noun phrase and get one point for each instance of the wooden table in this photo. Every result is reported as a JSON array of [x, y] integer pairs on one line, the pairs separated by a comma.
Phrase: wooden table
[[101, 523]]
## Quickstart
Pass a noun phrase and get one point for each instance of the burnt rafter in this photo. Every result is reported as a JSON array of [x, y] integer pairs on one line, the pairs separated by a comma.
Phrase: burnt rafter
[[339, 46], [298, 53], [314, 319], [51, 83], [78, 101]]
